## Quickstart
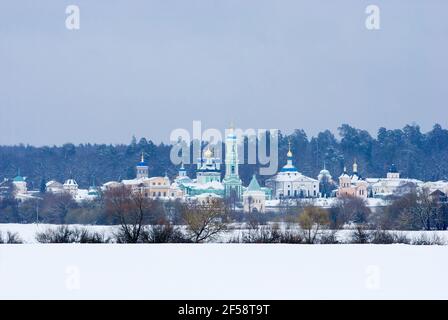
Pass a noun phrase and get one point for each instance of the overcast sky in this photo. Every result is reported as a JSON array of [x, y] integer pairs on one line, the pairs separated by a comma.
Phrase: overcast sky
[[148, 67]]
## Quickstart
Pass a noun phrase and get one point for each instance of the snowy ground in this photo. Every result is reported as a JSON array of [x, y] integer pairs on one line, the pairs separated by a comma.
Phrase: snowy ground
[[223, 271]]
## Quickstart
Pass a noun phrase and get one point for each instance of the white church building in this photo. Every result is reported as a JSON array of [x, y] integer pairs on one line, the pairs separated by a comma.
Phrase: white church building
[[290, 183]]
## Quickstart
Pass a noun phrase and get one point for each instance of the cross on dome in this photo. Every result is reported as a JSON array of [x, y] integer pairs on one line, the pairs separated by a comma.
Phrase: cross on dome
[[289, 154]]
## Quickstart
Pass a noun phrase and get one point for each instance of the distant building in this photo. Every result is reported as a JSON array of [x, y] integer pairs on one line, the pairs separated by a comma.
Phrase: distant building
[[327, 186], [208, 168], [206, 198], [433, 186], [150, 187], [20, 187], [233, 186], [254, 198], [290, 183], [54, 186], [392, 185], [142, 168], [439, 196], [71, 186], [352, 185]]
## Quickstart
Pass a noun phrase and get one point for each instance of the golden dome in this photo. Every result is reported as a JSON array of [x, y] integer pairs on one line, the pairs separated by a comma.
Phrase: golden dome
[[208, 153], [289, 154]]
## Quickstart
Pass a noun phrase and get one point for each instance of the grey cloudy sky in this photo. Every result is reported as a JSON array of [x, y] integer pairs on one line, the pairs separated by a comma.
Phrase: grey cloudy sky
[[147, 67]]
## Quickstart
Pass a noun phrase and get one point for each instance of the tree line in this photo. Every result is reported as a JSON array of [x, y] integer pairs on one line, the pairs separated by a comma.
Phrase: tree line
[[416, 154], [132, 210], [139, 219]]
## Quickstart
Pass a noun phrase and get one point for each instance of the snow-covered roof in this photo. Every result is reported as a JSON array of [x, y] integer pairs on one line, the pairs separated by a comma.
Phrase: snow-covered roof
[[111, 183], [324, 173], [207, 195], [393, 182], [84, 195], [53, 183], [70, 182], [215, 185], [292, 177], [132, 182], [326, 202], [436, 185]]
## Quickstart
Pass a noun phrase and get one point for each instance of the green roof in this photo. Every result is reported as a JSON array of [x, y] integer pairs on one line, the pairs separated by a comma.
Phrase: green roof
[[253, 185], [19, 179], [233, 179]]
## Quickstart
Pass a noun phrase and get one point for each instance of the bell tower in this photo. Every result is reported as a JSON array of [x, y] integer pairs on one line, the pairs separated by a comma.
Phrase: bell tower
[[142, 168]]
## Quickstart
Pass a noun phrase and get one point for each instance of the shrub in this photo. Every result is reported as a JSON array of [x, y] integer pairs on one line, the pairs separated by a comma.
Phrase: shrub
[[382, 237], [291, 237], [163, 233], [360, 235], [10, 238], [401, 237], [269, 234], [424, 240], [329, 238], [65, 234], [263, 234]]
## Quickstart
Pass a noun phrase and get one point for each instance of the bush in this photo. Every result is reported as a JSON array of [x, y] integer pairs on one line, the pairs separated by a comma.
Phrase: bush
[[291, 237], [424, 240], [329, 238], [263, 234], [269, 234], [402, 238], [360, 235], [160, 233], [163, 233], [382, 237], [11, 238], [65, 234]]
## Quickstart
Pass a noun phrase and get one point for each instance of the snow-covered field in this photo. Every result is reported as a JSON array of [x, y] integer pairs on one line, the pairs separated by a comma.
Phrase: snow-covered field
[[223, 271], [219, 271]]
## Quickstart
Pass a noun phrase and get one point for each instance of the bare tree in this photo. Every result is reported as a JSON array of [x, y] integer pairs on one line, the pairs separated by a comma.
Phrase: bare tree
[[349, 209], [360, 235], [204, 221], [312, 221], [416, 211], [231, 201], [425, 210], [250, 201], [441, 219], [55, 206], [133, 211]]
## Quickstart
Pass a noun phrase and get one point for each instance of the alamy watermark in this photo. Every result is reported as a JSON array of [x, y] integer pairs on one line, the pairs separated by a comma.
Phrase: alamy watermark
[[254, 146], [373, 277], [373, 18], [73, 18], [73, 278]]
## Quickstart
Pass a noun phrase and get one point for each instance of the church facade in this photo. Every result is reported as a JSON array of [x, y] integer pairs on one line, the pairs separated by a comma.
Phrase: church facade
[[290, 183], [352, 185]]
